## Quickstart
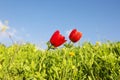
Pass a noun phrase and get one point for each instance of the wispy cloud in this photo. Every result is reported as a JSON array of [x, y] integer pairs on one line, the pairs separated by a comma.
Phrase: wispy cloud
[[6, 30], [15, 35], [26, 34], [13, 32], [3, 33]]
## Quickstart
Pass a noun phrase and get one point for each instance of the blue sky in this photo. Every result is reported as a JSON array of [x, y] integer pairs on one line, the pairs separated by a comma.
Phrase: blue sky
[[36, 20]]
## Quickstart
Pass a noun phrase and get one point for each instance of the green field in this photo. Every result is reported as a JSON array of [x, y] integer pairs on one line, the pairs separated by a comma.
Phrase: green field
[[100, 61]]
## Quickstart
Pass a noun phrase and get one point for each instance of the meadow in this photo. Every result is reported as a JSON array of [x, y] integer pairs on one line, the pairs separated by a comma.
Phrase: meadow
[[100, 61]]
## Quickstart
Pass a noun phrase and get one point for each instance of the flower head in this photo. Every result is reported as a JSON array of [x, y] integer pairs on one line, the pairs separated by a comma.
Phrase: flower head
[[57, 39], [98, 43], [72, 54], [3, 27], [75, 35]]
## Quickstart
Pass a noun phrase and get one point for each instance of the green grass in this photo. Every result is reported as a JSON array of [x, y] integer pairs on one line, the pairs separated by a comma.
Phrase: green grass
[[88, 62]]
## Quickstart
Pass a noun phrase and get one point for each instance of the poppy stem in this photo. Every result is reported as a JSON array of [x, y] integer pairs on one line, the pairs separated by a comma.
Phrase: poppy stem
[[49, 47], [10, 37], [70, 43]]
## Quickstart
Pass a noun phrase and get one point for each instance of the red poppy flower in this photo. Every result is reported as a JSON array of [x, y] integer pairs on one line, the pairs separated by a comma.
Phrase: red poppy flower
[[75, 35], [57, 39]]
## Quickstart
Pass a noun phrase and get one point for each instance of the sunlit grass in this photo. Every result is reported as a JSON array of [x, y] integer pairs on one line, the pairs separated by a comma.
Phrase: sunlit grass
[[86, 62]]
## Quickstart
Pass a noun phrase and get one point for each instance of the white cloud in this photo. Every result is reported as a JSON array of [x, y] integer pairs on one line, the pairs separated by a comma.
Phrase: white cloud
[[3, 35], [9, 31]]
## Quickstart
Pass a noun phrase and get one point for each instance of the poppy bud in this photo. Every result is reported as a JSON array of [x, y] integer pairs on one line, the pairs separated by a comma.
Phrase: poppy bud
[[75, 35], [57, 39]]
